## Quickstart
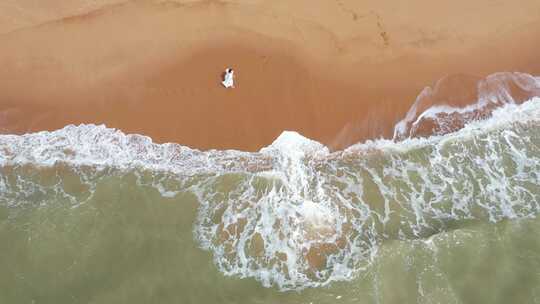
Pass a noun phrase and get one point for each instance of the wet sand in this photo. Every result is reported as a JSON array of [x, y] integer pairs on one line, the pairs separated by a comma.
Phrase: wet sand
[[338, 72]]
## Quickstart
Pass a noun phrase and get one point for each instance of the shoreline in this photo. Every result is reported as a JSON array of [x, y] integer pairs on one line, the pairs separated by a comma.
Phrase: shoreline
[[159, 76]]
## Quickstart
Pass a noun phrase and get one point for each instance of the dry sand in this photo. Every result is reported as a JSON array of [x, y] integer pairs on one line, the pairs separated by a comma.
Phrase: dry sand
[[336, 71]]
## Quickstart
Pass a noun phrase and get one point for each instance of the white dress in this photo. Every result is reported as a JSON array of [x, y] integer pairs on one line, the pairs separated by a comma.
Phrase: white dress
[[228, 80]]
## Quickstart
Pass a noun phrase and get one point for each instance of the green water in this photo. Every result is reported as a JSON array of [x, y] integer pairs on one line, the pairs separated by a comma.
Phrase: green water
[[128, 244]]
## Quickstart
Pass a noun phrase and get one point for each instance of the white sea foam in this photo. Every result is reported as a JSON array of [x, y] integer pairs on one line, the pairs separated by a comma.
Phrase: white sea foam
[[500, 118], [412, 189], [495, 90], [97, 145]]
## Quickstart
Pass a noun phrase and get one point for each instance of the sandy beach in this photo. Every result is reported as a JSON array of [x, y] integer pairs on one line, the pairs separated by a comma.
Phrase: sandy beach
[[336, 71]]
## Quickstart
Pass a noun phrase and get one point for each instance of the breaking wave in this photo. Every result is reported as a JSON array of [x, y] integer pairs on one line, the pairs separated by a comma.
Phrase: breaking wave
[[458, 99], [295, 215]]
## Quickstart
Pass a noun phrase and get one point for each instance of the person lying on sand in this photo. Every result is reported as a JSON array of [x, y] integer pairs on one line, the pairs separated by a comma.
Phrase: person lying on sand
[[228, 78]]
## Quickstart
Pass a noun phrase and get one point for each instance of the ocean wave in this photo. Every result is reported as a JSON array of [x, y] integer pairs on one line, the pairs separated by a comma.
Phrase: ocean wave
[[457, 100], [295, 215]]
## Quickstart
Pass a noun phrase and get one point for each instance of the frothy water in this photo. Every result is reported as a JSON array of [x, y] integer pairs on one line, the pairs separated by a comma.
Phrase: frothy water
[[295, 215], [457, 100]]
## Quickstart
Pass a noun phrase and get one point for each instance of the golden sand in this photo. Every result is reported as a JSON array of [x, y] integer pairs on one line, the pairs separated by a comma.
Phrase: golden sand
[[336, 71]]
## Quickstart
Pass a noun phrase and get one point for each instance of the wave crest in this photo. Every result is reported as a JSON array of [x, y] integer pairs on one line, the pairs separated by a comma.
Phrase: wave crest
[[457, 100]]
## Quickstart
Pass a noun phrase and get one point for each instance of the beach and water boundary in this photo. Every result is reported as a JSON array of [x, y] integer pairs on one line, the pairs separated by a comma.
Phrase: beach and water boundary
[[409, 173], [293, 215]]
